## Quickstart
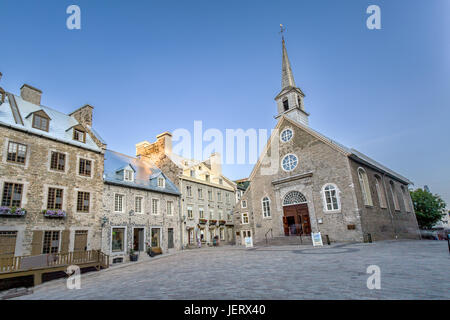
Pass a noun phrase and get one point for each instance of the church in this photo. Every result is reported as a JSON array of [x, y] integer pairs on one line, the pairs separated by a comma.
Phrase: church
[[319, 185]]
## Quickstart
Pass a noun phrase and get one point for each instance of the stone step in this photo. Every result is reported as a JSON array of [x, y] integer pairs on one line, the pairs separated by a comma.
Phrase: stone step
[[286, 240]]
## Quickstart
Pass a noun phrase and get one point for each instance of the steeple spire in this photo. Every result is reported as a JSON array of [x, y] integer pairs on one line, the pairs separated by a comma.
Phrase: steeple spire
[[287, 78], [290, 99]]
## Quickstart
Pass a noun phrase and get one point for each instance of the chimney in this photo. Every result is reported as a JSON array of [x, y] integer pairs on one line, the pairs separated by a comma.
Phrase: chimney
[[31, 94], [83, 115], [216, 163], [165, 140]]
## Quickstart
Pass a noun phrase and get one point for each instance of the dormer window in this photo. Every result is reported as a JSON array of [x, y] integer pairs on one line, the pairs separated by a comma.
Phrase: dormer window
[[207, 177], [128, 175], [79, 135], [192, 172], [40, 121], [220, 181], [161, 182], [286, 105]]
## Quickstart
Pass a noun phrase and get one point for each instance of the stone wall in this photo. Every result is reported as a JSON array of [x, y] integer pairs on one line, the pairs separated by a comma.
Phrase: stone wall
[[384, 223], [37, 178], [146, 220]]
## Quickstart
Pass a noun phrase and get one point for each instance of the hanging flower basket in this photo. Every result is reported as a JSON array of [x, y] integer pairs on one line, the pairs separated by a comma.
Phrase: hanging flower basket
[[54, 214], [12, 212]]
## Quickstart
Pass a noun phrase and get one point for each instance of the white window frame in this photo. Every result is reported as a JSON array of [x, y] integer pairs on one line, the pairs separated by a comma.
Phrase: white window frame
[[158, 207], [379, 188], [293, 168], [245, 215], [122, 204], [190, 212], [161, 182], [285, 130], [201, 213], [169, 204], [189, 191], [242, 204], [324, 198], [125, 175], [263, 209], [142, 204], [114, 253]]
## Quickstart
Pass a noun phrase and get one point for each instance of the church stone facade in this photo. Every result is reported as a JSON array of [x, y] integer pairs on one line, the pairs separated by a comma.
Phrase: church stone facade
[[319, 185]]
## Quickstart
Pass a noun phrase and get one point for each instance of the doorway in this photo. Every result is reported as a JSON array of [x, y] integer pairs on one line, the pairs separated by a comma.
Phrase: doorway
[[138, 239], [296, 220], [170, 238]]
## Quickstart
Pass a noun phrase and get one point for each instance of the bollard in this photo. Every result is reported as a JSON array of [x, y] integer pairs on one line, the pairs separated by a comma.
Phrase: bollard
[[328, 239]]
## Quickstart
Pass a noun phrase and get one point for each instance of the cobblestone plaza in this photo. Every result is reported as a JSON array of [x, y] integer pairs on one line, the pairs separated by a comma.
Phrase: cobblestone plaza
[[409, 270]]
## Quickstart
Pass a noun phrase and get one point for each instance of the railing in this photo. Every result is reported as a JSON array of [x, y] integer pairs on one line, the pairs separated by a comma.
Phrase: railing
[[53, 260], [271, 235]]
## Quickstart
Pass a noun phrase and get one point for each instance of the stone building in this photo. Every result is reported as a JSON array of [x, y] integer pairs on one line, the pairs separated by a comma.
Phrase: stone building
[[50, 177], [140, 208], [207, 197], [305, 182]]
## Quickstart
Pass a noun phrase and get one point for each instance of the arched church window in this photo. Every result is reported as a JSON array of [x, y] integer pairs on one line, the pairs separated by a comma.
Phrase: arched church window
[[286, 105], [380, 192], [289, 162], [266, 207], [294, 197], [286, 135], [365, 188], [406, 199], [394, 196], [331, 197]]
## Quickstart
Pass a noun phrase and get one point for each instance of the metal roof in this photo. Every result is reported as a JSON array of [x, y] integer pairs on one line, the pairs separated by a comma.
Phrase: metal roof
[[58, 125], [146, 173]]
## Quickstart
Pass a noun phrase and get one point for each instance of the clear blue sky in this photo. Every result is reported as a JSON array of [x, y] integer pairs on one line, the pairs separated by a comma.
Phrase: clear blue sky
[[154, 66]]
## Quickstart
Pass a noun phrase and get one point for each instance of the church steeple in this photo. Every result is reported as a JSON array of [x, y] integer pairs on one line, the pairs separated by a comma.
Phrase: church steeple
[[290, 99], [287, 78]]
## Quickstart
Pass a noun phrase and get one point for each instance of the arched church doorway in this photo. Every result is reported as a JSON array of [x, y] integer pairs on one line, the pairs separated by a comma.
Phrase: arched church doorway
[[296, 220]]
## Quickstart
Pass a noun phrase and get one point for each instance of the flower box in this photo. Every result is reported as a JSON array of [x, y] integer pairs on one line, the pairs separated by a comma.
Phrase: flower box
[[12, 212], [212, 222], [222, 222], [202, 221], [54, 214]]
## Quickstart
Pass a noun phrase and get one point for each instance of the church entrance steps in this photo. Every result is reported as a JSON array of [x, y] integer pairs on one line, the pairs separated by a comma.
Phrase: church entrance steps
[[286, 241]]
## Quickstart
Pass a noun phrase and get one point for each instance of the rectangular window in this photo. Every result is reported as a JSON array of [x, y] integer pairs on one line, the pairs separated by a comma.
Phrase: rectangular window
[[17, 152], [118, 202], [79, 135], [219, 196], [229, 216], [190, 213], [118, 237], [58, 161], [189, 191], [227, 197], [12, 194], [161, 182], [128, 174], [245, 218], [244, 204], [54, 199], [207, 177], [220, 181], [211, 215], [83, 199], [51, 242], [201, 213], [192, 172], [200, 193], [155, 206], [40, 123], [222, 234], [220, 215], [138, 205], [210, 195], [85, 167], [170, 208]]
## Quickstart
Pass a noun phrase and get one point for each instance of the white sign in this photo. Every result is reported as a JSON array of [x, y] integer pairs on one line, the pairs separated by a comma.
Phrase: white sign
[[248, 242], [316, 239]]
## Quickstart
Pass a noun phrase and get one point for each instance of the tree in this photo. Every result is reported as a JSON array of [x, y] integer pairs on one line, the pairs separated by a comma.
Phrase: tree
[[429, 208]]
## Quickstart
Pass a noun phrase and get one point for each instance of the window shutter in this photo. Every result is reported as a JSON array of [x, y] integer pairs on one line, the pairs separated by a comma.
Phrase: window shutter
[[65, 241], [36, 244]]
